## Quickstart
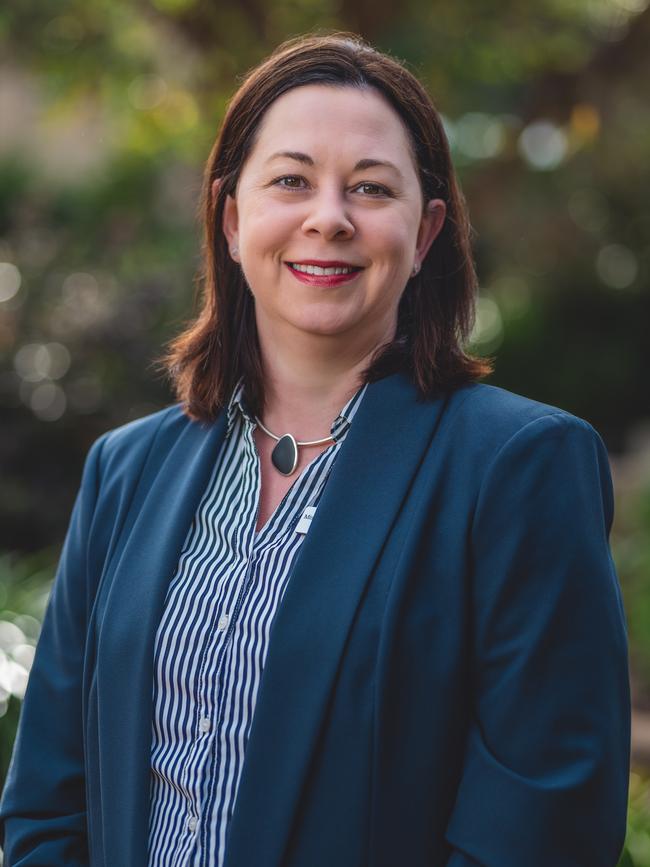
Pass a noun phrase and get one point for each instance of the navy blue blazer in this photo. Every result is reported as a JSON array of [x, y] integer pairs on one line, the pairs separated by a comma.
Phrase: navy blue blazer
[[447, 680]]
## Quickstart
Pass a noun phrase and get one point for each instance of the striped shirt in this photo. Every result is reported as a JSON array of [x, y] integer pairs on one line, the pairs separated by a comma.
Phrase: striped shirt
[[213, 638]]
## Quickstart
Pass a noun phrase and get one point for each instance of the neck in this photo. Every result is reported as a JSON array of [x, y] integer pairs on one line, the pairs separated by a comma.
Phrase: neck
[[308, 381]]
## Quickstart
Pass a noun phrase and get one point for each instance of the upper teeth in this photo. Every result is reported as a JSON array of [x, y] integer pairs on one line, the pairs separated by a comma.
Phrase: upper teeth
[[315, 269]]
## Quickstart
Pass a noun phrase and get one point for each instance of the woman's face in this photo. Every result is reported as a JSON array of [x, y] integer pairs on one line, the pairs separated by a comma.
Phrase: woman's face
[[331, 182]]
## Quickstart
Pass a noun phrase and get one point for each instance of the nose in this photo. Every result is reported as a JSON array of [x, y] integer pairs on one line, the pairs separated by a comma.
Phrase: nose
[[328, 216]]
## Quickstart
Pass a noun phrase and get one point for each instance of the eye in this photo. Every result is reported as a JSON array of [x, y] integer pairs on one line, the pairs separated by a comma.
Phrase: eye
[[297, 182], [373, 190], [289, 182]]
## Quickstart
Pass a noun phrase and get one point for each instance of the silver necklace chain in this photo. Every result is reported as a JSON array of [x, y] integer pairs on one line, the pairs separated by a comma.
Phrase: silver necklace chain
[[305, 443]]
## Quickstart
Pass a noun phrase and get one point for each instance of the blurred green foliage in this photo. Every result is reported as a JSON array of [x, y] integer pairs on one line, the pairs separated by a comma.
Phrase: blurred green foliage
[[109, 110], [24, 588], [112, 110], [637, 841], [632, 551]]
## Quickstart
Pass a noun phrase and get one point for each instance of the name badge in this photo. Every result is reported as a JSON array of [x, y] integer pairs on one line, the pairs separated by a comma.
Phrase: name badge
[[305, 519]]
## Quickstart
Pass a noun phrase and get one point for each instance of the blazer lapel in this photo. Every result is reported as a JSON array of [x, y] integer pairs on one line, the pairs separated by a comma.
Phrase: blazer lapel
[[363, 495], [133, 609]]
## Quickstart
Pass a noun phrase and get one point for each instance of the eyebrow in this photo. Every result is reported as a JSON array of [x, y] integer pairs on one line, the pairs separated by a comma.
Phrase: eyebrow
[[366, 163]]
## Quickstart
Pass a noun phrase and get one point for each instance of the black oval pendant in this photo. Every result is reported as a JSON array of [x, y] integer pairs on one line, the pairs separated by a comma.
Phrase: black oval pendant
[[284, 456]]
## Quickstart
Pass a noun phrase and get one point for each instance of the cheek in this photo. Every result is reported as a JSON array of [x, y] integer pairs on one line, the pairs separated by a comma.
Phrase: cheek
[[263, 233], [391, 239]]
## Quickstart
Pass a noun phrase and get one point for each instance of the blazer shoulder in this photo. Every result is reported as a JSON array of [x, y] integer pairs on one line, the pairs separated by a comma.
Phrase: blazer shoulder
[[124, 449], [133, 433], [490, 415]]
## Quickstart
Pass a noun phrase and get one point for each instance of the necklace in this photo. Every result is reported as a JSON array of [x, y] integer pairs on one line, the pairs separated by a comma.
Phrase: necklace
[[284, 456]]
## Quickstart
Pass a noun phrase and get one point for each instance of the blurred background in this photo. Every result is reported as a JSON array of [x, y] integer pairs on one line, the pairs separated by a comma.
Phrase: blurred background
[[108, 111]]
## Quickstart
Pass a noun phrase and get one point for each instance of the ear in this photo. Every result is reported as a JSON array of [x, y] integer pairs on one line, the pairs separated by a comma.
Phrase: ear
[[430, 225], [229, 221]]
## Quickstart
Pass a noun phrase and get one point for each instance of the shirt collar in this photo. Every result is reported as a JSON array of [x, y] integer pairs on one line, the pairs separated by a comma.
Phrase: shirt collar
[[238, 406]]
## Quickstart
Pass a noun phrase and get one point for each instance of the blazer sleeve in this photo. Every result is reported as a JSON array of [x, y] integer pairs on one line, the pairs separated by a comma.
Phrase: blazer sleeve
[[546, 769], [43, 808]]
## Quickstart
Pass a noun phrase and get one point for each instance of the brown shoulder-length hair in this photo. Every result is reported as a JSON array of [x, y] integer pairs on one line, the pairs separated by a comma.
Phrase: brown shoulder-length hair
[[437, 308]]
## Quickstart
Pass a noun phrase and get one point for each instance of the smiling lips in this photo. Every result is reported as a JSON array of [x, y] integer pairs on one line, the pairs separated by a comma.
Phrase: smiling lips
[[318, 273]]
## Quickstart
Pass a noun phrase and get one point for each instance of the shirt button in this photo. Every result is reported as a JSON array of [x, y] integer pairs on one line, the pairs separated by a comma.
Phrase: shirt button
[[223, 622], [192, 822], [204, 724]]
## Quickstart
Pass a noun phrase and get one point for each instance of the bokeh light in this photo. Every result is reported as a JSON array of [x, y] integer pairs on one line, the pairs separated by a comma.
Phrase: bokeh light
[[543, 145], [37, 361], [48, 401], [16, 657], [147, 92], [10, 281], [479, 135], [617, 266], [487, 333]]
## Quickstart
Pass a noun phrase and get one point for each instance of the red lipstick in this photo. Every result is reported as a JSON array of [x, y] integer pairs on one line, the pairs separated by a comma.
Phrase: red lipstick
[[324, 279], [325, 263]]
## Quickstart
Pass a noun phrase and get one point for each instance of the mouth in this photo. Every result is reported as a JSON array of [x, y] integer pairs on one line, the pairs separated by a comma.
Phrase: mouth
[[323, 268], [325, 273]]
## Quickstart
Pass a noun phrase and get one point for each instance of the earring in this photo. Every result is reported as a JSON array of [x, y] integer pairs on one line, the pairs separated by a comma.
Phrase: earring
[[416, 268], [234, 251]]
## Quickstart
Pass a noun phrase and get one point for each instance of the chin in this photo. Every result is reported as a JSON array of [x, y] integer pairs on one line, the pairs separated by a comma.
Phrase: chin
[[324, 331], [321, 322]]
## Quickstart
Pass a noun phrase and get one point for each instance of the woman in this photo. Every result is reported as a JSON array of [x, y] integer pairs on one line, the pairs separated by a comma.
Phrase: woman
[[385, 585]]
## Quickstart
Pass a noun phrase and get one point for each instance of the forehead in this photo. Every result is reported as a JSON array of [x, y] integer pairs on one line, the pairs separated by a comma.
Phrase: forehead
[[322, 120]]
